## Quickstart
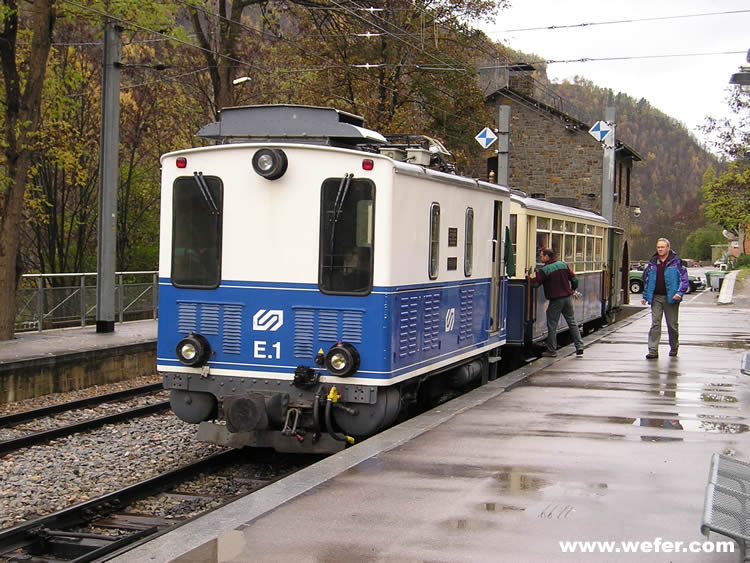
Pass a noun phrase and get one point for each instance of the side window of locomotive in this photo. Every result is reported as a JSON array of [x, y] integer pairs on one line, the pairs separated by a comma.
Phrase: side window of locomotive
[[434, 258], [347, 223], [196, 231], [469, 242]]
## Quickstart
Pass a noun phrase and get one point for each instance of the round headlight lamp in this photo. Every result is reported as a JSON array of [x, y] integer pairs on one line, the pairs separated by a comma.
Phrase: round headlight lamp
[[193, 350], [270, 163], [342, 359]]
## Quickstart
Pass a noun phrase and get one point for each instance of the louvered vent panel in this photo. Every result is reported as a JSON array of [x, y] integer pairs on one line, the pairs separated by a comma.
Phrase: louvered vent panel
[[351, 326], [328, 325], [467, 314], [210, 320], [232, 329], [407, 326], [431, 337], [187, 317], [304, 329]]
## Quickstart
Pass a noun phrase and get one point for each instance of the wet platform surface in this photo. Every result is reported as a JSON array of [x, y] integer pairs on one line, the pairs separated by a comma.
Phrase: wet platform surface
[[609, 447]]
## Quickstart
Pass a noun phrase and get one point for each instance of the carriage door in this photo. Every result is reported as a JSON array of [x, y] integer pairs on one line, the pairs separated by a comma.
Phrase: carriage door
[[497, 317]]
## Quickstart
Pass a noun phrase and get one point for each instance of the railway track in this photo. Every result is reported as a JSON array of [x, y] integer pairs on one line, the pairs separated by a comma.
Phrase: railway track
[[94, 529], [33, 437]]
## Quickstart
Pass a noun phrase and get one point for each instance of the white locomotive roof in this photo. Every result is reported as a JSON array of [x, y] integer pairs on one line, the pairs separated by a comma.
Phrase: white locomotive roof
[[549, 207]]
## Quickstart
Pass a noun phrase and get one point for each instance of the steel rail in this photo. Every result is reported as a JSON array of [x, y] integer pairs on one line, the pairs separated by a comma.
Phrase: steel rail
[[25, 416], [47, 435], [29, 534]]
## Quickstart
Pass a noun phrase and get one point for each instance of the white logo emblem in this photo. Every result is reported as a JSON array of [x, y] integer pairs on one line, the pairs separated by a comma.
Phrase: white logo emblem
[[268, 319], [450, 319]]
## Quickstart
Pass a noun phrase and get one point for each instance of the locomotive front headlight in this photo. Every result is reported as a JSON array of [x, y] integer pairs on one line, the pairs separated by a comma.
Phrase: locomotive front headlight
[[193, 350], [342, 359], [270, 163]]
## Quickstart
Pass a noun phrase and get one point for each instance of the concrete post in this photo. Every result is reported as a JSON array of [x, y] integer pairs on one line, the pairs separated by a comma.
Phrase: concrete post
[[503, 144], [608, 169], [108, 180]]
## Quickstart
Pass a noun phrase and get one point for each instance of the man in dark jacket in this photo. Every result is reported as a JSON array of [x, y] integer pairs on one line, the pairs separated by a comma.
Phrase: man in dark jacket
[[559, 283], [665, 281]]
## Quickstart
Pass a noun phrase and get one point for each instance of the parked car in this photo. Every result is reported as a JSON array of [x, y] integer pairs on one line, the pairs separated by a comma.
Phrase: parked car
[[635, 281]]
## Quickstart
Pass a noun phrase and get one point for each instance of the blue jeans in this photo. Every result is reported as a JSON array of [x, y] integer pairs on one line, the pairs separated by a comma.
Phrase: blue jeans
[[562, 305]]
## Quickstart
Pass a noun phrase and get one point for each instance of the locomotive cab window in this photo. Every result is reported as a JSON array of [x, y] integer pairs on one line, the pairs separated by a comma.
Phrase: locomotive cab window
[[196, 231], [346, 236]]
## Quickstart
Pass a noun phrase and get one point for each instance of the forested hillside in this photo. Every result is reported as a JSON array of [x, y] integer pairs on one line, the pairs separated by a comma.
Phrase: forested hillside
[[667, 183]]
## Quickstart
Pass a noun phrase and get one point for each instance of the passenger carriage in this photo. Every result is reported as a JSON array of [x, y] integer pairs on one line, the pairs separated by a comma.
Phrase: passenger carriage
[[315, 275], [579, 238]]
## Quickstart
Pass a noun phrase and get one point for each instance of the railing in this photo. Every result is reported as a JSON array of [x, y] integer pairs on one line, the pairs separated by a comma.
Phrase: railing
[[62, 300]]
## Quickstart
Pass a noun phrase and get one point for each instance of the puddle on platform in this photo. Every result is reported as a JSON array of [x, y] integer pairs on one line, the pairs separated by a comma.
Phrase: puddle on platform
[[513, 481]]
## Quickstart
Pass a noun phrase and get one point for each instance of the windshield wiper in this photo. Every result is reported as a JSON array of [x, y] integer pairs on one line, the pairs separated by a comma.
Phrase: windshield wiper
[[338, 206], [205, 192]]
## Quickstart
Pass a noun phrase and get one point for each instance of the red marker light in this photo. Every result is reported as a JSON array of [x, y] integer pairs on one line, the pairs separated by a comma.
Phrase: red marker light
[[181, 162], [368, 164]]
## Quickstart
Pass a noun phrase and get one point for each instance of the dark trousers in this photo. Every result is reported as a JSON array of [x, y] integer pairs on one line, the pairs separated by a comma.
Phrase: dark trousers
[[563, 306]]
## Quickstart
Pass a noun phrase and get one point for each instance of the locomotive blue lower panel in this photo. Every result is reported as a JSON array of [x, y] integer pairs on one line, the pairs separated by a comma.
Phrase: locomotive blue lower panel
[[273, 328]]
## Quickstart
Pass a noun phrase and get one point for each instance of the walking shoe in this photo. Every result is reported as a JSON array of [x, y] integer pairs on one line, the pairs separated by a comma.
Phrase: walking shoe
[[579, 352], [652, 356], [548, 354], [673, 353]]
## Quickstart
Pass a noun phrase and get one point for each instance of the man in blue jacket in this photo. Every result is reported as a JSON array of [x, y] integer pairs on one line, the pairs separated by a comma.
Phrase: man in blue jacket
[[665, 281]]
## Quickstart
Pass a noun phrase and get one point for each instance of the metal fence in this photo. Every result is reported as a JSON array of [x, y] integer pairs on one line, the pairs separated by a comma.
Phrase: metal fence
[[63, 300]]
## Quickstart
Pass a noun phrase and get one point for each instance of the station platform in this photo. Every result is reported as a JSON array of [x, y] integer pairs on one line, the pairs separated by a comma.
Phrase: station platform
[[68, 359], [609, 447], [29, 346]]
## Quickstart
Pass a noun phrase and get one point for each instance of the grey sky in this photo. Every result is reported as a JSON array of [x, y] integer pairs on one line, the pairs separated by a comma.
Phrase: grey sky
[[687, 88]]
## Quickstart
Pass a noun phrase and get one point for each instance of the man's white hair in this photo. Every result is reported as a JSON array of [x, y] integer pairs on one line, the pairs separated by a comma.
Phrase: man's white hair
[[665, 240]]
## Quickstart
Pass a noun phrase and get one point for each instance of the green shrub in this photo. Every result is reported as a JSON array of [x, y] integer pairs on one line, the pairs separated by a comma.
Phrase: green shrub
[[743, 261]]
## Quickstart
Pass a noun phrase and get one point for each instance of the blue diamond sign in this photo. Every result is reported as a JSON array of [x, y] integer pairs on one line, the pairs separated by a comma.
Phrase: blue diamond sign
[[486, 137], [600, 130]]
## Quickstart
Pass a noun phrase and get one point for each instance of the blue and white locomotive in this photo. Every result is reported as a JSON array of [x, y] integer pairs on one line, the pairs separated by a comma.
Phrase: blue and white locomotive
[[314, 276]]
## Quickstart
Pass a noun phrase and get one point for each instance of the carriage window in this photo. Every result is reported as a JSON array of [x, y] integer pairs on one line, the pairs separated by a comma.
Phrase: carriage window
[[434, 240], [196, 231], [557, 225], [346, 236], [557, 245], [590, 253], [580, 265], [570, 247], [469, 242]]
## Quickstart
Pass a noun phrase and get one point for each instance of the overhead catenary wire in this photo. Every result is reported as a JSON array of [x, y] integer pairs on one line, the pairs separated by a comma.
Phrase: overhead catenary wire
[[614, 22], [252, 66]]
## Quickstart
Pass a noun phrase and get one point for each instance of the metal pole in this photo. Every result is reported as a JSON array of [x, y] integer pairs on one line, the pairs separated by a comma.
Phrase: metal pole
[[108, 165], [155, 295], [40, 303], [608, 169], [120, 299], [83, 299]]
